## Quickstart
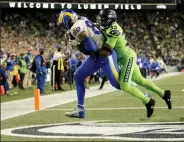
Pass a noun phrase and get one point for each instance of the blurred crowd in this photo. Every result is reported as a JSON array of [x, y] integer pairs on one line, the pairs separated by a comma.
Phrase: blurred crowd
[[150, 33], [155, 36]]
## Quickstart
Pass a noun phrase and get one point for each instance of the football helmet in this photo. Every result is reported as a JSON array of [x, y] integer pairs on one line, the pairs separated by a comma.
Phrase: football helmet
[[67, 17], [106, 17]]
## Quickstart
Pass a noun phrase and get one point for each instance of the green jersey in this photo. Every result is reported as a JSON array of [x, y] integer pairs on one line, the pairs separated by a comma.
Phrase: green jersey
[[130, 71], [116, 39]]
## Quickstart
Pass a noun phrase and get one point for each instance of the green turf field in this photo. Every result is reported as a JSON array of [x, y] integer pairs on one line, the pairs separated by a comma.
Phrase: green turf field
[[115, 107]]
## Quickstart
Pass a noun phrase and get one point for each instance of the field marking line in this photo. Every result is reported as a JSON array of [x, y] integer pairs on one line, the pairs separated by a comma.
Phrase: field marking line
[[22, 107], [177, 90], [122, 108]]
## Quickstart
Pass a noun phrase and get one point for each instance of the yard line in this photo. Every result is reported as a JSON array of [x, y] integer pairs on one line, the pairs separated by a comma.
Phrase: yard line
[[25, 106], [122, 108]]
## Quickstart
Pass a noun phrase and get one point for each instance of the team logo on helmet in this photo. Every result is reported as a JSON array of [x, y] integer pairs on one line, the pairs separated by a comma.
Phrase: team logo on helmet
[[67, 18]]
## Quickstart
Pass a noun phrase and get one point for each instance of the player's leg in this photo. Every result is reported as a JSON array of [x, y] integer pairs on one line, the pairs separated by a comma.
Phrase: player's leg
[[144, 73], [164, 70], [157, 73], [128, 64], [40, 82], [104, 79], [88, 67], [148, 84], [29, 79], [153, 74], [111, 70]]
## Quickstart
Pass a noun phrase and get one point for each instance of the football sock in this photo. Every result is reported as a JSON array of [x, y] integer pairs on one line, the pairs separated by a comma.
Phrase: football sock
[[80, 91], [80, 106]]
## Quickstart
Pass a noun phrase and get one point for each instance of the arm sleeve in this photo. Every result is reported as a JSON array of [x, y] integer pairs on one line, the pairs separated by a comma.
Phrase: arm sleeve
[[111, 41], [88, 45]]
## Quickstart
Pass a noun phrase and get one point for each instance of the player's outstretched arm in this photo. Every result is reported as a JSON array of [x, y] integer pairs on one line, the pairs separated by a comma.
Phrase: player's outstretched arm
[[112, 35], [87, 45], [106, 50]]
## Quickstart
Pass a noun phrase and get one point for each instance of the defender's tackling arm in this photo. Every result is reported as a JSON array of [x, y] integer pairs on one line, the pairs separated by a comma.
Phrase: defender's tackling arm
[[111, 40]]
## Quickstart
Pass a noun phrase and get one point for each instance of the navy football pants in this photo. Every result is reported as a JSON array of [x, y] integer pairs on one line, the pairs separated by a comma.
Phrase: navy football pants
[[89, 66]]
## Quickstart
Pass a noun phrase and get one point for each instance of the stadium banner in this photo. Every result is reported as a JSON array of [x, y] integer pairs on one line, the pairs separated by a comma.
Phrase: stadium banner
[[47, 5]]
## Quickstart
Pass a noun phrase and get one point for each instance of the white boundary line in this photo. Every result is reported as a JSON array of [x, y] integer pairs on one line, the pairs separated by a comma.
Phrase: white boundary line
[[122, 108], [26, 106]]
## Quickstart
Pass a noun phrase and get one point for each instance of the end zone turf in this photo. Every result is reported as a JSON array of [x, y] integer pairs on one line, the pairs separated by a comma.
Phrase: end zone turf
[[115, 109]]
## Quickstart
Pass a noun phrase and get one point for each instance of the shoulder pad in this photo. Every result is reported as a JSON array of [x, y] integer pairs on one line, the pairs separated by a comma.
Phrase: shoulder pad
[[77, 28], [113, 31]]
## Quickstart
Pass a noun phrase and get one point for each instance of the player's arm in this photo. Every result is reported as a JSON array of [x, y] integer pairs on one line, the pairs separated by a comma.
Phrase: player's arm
[[89, 45], [109, 44], [86, 45]]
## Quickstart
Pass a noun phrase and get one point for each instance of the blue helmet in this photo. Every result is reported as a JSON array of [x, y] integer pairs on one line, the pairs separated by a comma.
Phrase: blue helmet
[[67, 17]]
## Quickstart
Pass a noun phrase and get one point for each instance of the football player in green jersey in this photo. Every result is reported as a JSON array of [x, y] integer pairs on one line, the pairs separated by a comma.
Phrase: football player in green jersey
[[115, 39]]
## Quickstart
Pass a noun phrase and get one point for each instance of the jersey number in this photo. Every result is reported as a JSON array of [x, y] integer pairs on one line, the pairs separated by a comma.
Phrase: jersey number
[[76, 30], [93, 27], [114, 31]]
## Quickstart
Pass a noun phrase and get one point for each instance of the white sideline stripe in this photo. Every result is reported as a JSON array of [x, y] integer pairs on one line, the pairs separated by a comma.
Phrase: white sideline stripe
[[122, 108], [25, 106]]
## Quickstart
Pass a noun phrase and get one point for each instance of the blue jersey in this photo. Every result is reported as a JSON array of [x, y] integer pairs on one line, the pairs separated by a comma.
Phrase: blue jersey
[[155, 65], [10, 64], [145, 63]]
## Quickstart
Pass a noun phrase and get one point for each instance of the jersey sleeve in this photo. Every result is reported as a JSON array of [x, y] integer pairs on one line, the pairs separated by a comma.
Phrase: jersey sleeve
[[112, 35], [76, 29]]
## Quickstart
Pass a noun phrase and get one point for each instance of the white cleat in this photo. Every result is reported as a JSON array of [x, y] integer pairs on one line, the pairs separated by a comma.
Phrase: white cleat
[[77, 113]]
